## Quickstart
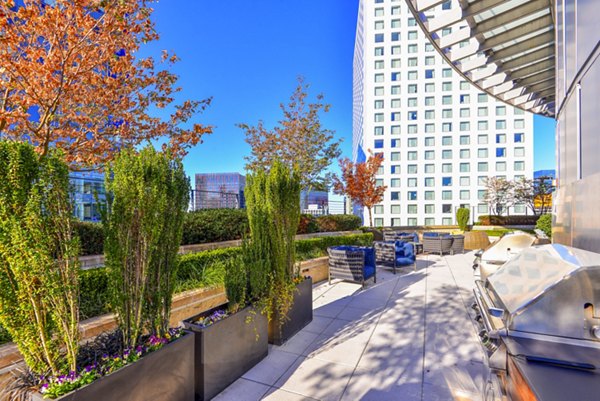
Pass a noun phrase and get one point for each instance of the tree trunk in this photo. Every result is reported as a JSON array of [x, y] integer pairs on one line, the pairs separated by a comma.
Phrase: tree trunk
[[370, 217]]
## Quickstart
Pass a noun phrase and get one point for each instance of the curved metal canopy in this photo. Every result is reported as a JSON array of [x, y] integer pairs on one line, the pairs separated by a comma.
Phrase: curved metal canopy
[[504, 47]]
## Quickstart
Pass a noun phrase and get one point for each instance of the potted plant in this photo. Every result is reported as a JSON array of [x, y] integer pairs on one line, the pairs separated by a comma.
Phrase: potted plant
[[230, 338], [273, 203], [148, 196]]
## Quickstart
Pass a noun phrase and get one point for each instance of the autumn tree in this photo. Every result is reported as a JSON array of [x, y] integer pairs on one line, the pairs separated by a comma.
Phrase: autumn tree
[[499, 195], [70, 78], [530, 192], [299, 140], [358, 182]]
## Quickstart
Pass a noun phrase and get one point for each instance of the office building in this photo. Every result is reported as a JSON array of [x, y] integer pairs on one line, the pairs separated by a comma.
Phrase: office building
[[219, 191], [441, 136], [87, 194]]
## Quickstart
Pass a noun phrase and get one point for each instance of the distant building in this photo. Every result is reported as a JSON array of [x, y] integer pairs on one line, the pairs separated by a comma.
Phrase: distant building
[[87, 194], [544, 173], [219, 191], [314, 202]]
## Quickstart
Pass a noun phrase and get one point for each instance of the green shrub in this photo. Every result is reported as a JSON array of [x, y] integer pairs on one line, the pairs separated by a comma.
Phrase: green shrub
[[462, 218], [316, 247], [308, 224], [203, 269], [214, 225], [4, 336], [93, 293], [544, 223], [338, 222], [91, 236], [490, 220]]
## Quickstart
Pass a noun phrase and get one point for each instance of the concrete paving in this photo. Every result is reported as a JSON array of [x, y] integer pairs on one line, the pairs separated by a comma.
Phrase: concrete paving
[[409, 337]]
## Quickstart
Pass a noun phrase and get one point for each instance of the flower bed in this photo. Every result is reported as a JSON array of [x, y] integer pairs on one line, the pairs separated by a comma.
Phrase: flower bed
[[54, 387]]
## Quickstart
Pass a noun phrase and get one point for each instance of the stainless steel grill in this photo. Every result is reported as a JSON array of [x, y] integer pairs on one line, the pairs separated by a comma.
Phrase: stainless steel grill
[[538, 315]]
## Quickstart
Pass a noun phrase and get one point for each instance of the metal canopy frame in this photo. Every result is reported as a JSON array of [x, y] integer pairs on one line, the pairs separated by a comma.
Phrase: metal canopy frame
[[503, 47]]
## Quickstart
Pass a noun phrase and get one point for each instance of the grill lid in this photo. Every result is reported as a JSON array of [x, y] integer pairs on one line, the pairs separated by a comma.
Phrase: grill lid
[[550, 289]]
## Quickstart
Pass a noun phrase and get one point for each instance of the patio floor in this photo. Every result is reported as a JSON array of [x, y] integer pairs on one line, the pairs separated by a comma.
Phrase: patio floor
[[409, 337]]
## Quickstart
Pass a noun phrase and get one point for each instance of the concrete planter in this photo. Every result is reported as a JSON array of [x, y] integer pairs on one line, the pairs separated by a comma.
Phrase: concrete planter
[[299, 315], [166, 374], [227, 349]]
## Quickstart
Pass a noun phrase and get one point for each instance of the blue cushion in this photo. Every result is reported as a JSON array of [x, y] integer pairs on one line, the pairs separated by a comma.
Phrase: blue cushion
[[405, 261], [368, 271]]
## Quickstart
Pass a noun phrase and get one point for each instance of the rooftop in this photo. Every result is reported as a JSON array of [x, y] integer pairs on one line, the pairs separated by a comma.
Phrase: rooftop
[[410, 337]]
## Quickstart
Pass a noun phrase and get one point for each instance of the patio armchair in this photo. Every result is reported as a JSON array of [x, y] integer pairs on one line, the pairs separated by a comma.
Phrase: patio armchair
[[395, 254], [400, 236], [434, 242], [352, 263], [458, 244]]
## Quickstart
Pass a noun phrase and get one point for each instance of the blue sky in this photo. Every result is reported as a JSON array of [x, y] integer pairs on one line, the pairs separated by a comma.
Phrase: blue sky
[[247, 55]]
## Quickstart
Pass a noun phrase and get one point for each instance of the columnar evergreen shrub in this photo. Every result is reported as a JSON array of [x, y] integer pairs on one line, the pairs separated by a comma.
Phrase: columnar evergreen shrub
[[148, 194], [214, 225], [38, 258], [462, 218], [273, 203], [91, 237], [544, 223]]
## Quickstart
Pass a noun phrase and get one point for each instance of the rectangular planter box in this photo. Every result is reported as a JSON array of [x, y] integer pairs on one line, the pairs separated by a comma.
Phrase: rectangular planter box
[[166, 374], [227, 349], [299, 315]]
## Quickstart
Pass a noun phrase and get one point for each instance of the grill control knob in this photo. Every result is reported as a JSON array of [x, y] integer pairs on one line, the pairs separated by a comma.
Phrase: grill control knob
[[595, 331]]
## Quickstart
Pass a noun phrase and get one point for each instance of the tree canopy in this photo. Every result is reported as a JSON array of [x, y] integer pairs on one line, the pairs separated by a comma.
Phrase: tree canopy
[[70, 78]]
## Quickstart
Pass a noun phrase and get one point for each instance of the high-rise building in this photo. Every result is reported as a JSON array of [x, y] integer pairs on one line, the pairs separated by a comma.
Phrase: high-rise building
[[441, 137], [219, 191], [87, 194]]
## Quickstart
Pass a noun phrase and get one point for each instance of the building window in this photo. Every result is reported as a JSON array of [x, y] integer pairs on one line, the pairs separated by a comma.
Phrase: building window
[[482, 153], [500, 166], [412, 75], [411, 169], [395, 143], [429, 195], [395, 169], [429, 128], [378, 104], [396, 49], [482, 98], [378, 222], [447, 168], [411, 209], [395, 156], [396, 63], [465, 167], [412, 88], [412, 35], [464, 86], [429, 88], [395, 196], [395, 116], [379, 12], [446, 195], [429, 60], [395, 209], [429, 168], [500, 152], [465, 181], [412, 129], [465, 113], [412, 195], [412, 102], [412, 115], [395, 183], [481, 180], [482, 111], [412, 156], [395, 76], [465, 153], [412, 22], [481, 194], [411, 222], [429, 74], [482, 125], [518, 111], [446, 127], [413, 62], [519, 124], [519, 166], [395, 36], [446, 86], [395, 23], [396, 103], [395, 129], [446, 208], [447, 5], [519, 152], [429, 155], [465, 99], [429, 209], [446, 181], [519, 208], [379, 51], [465, 139], [465, 195], [482, 208], [430, 141], [447, 154], [429, 114], [446, 99], [379, 65], [447, 73], [378, 209], [396, 10], [500, 138], [501, 124], [519, 138], [447, 113], [482, 166], [378, 117], [379, 38], [465, 126], [378, 77], [500, 110], [379, 144], [413, 48], [429, 182], [378, 131], [395, 90], [446, 140], [428, 47], [379, 91], [482, 139], [379, 25]]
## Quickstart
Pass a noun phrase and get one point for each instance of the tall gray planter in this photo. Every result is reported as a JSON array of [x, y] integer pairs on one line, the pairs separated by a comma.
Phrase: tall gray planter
[[227, 349], [299, 315]]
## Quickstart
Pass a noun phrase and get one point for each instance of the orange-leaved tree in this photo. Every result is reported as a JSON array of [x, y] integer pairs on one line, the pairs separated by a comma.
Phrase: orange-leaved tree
[[358, 182], [70, 78]]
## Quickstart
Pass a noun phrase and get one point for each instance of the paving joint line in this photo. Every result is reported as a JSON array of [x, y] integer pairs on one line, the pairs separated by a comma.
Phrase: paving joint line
[[424, 331]]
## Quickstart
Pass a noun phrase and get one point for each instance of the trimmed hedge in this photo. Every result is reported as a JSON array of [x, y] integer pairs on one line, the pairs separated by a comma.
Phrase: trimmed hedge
[[91, 237], [214, 225], [338, 222], [488, 220], [544, 223]]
